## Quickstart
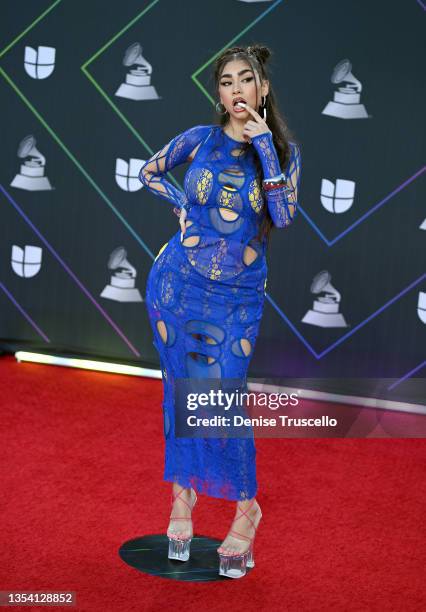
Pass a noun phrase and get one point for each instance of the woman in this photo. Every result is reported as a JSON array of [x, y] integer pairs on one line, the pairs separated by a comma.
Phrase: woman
[[205, 290]]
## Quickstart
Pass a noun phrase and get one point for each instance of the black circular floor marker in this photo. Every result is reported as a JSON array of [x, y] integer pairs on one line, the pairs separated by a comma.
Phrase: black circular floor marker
[[148, 554]]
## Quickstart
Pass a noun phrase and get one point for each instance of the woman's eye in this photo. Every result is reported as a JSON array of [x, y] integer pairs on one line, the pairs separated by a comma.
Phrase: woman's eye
[[248, 79]]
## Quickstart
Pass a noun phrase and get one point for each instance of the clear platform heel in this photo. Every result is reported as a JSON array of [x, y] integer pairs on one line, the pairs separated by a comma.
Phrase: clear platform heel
[[250, 558], [179, 548], [235, 566]]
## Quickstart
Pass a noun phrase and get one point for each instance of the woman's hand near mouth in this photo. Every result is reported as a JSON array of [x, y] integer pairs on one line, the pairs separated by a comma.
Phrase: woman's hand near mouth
[[254, 127]]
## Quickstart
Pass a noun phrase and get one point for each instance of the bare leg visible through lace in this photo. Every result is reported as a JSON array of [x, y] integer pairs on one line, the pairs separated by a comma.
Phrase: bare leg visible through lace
[[181, 528], [247, 517]]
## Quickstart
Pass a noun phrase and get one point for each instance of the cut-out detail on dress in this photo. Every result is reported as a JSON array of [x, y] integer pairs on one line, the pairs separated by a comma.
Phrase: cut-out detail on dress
[[201, 358], [205, 328], [161, 250], [238, 152], [241, 347], [162, 330], [228, 215], [191, 241], [231, 178], [204, 338], [246, 346], [167, 332], [200, 365], [250, 255]]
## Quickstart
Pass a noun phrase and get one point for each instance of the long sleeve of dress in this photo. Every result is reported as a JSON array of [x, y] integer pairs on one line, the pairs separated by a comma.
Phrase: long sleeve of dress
[[153, 172], [282, 202]]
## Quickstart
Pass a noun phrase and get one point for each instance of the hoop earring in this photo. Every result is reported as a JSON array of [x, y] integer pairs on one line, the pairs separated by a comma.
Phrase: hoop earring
[[219, 106], [264, 108]]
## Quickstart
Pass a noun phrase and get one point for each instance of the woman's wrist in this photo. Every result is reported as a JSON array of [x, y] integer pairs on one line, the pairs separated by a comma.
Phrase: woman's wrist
[[276, 182], [256, 137], [183, 200]]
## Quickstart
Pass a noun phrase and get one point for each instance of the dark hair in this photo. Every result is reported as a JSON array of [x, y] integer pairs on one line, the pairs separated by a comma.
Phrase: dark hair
[[256, 56]]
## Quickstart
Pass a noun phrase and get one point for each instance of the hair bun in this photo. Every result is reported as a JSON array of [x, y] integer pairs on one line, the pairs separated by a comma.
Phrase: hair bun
[[260, 51]]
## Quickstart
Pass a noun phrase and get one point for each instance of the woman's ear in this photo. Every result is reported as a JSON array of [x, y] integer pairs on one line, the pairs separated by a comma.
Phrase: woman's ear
[[265, 88]]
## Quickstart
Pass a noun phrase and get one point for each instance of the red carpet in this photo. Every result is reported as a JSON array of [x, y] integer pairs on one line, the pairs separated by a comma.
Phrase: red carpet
[[82, 457]]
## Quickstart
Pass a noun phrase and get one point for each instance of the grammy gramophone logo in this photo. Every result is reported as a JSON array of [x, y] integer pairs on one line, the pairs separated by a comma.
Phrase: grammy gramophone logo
[[138, 79], [346, 103], [325, 310], [123, 279], [31, 176]]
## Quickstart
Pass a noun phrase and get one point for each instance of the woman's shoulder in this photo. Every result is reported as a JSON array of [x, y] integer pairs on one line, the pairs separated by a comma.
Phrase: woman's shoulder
[[295, 151], [193, 135], [294, 145], [196, 136], [199, 129]]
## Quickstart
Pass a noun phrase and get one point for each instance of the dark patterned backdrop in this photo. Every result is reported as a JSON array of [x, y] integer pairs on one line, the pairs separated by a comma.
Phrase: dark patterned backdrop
[[348, 79]]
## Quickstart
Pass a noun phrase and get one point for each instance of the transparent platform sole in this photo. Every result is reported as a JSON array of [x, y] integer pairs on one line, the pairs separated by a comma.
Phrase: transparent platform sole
[[179, 549], [235, 566]]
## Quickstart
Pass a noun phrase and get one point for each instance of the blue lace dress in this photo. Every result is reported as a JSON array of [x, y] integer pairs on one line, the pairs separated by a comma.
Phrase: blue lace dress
[[205, 292]]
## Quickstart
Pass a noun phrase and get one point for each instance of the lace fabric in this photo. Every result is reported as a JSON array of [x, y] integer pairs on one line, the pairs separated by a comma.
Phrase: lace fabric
[[177, 151], [205, 293], [282, 202]]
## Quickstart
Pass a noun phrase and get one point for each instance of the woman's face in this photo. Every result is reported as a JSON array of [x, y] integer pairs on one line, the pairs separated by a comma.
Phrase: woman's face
[[239, 81]]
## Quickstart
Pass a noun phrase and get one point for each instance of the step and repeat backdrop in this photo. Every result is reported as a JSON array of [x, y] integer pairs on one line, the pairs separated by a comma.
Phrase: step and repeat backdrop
[[89, 90]]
